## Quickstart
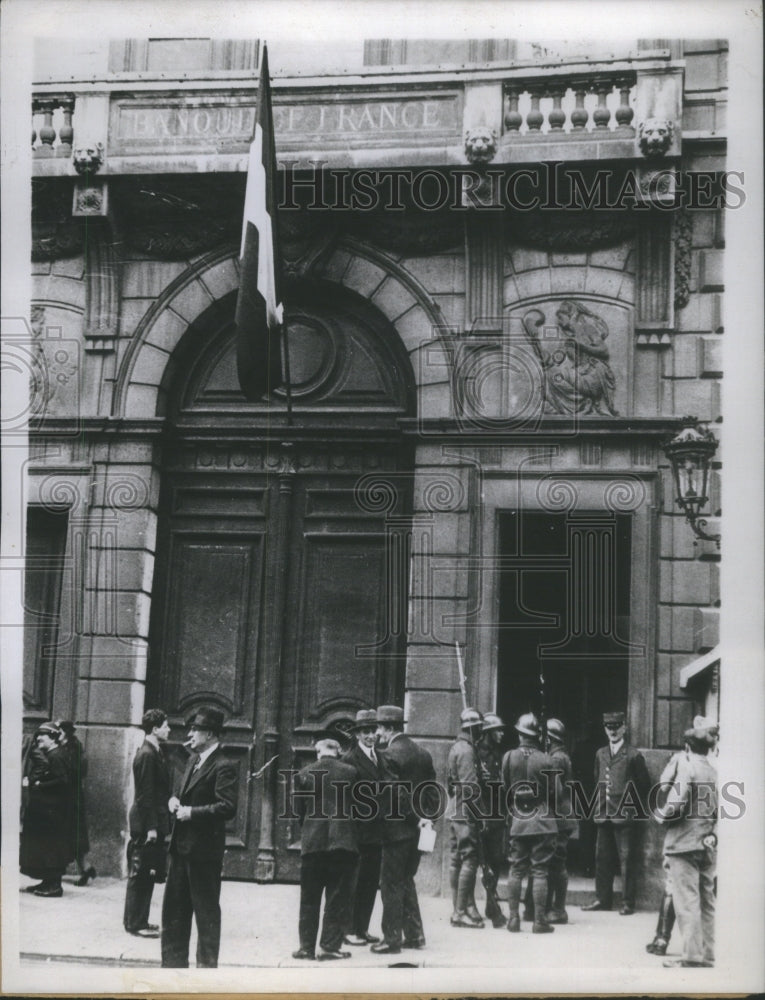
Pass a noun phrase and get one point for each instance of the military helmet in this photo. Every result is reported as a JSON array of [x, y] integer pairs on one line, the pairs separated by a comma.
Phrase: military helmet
[[528, 724], [492, 721], [470, 717], [556, 730]]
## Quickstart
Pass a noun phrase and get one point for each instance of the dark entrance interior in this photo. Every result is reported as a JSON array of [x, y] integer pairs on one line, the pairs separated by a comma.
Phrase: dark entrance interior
[[564, 609]]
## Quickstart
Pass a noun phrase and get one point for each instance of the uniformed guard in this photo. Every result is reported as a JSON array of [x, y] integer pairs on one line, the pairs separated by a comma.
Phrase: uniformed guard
[[622, 784], [494, 823], [558, 876], [531, 789], [464, 788]]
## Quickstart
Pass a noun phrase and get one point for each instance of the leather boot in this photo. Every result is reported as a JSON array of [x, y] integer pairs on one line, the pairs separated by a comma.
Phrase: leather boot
[[465, 887], [540, 926], [514, 902], [454, 877], [556, 895], [664, 927], [528, 900]]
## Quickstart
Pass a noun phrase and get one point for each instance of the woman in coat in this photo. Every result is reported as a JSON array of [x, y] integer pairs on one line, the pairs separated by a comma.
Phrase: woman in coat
[[78, 821], [46, 844]]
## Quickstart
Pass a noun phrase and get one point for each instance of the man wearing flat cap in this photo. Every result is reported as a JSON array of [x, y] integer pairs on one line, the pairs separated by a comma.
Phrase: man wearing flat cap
[[622, 784], [328, 849], [408, 805], [205, 799], [364, 758], [690, 844]]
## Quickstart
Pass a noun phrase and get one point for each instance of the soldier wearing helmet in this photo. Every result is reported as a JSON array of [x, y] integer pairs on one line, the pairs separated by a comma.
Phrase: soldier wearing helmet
[[558, 875], [531, 789], [464, 828], [490, 763]]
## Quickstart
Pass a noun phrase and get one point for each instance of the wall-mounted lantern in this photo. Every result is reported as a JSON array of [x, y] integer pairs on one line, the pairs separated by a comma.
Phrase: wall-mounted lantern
[[690, 453]]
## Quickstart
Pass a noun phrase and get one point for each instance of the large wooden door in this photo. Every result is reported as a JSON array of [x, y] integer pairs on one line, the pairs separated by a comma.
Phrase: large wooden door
[[280, 602], [280, 588]]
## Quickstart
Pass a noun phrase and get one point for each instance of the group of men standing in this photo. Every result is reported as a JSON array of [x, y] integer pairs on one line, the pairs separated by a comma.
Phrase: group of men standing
[[362, 817], [367, 816]]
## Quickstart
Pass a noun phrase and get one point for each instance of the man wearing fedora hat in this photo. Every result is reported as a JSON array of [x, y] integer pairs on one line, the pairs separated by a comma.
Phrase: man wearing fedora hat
[[364, 758], [206, 798], [622, 784], [408, 768]]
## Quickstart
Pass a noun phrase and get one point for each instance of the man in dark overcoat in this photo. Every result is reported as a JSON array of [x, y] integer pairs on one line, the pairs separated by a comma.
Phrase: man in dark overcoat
[[205, 800], [363, 756], [622, 783], [329, 850], [409, 802], [149, 821]]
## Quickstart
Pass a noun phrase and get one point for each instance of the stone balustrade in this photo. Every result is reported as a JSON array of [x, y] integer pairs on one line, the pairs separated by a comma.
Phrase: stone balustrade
[[52, 130], [561, 104]]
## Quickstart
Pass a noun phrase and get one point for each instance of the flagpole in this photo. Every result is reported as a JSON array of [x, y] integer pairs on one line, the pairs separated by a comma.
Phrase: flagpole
[[287, 376]]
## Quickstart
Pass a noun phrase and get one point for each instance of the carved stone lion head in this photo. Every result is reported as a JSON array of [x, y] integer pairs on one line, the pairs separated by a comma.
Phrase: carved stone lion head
[[655, 136], [480, 144], [87, 157]]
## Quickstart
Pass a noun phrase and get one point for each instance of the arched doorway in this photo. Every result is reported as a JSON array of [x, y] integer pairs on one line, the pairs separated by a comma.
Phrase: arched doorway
[[279, 582]]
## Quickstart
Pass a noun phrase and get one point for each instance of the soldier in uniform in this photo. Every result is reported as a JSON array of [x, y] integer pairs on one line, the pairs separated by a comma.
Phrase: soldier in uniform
[[494, 820], [622, 783], [531, 789], [558, 875], [464, 826]]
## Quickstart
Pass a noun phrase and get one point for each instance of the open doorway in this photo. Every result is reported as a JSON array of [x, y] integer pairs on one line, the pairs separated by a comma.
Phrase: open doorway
[[564, 612]]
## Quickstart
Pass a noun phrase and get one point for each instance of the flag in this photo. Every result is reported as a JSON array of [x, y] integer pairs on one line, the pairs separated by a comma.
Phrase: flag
[[259, 311]]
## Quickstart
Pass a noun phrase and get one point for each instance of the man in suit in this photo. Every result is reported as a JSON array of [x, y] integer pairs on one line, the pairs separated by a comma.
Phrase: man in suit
[[328, 847], [363, 756], [149, 821], [205, 800], [622, 784], [409, 803]]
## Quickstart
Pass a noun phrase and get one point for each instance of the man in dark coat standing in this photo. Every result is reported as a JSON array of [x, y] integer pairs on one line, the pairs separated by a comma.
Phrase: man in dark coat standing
[[205, 800], [149, 821], [410, 804], [622, 784], [322, 800], [363, 756]]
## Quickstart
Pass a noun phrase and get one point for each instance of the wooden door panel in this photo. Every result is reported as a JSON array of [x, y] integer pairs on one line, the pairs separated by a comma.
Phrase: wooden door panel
[[210, 630], [343, 580]]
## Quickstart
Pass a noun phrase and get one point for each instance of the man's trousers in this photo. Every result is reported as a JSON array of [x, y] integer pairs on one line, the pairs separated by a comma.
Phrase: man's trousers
[[693, 876], [367, 882], [615, 849], [193, 889], [401, 918], [329, 873], [140, 887]]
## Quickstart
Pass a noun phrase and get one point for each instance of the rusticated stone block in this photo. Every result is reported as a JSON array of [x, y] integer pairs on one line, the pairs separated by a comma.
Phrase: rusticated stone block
[[710, 351], [393, 299], [711, 277], [706, 631], [363, 276]]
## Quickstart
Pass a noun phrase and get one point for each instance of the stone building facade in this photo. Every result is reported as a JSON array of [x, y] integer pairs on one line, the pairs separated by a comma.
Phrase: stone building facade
[[480, 395]]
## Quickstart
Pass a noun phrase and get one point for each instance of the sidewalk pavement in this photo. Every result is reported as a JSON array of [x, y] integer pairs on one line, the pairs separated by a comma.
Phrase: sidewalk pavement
[[260, 930]]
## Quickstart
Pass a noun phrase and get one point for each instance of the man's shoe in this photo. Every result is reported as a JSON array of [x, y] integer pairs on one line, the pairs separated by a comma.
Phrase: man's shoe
[[657, 947], [465, 920], [499, 922], [416, 943], [385, 948], [53, 893], [472, 912], [556, 917], [331, 956], [34, 888], [539, 928], [514, 924], [144, 932], [303, 953], [595, 905], [626, 910], [149, 927], [357, 939]]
